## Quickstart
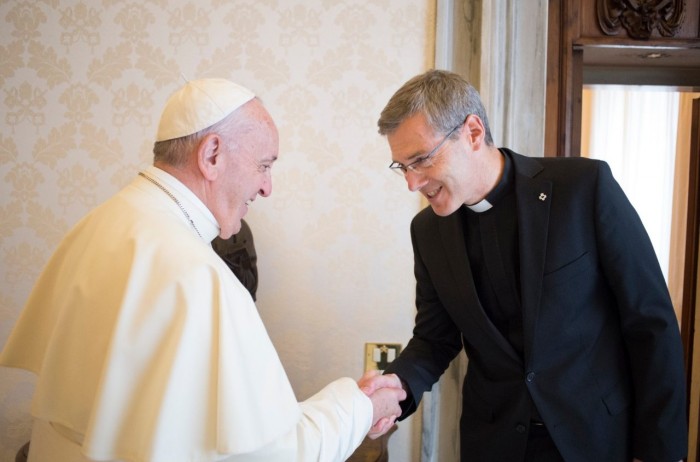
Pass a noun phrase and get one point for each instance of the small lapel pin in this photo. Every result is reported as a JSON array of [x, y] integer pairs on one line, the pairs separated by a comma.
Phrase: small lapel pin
[[543, 196]]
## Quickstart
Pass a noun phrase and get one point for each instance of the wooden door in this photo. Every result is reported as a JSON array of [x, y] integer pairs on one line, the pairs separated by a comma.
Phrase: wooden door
[[690, 336]]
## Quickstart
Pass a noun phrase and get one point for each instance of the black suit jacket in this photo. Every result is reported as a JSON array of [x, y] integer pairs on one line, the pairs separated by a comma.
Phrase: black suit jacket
[[602, 353]]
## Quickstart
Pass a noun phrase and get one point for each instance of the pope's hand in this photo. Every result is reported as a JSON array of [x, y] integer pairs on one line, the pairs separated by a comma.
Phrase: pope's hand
[[385, 392]]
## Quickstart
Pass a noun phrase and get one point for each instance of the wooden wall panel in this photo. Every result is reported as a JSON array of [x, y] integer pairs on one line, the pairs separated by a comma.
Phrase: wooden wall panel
[[575, 40], [648, 12]]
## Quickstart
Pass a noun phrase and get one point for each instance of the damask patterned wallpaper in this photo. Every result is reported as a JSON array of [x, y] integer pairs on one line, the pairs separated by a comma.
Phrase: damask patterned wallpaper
[[82, 86]]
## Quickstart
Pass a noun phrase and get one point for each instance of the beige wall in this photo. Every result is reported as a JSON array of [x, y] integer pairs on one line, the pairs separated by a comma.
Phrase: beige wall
[[82, 86]]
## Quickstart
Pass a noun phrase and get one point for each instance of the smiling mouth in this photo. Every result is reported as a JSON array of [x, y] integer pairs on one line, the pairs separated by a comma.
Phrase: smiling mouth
[[431, 194]]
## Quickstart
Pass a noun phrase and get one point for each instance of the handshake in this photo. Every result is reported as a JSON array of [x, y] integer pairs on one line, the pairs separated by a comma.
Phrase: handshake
[[385, 392]]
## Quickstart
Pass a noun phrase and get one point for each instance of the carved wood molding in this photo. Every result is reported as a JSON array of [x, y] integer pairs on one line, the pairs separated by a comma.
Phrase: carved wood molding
[[641, 17]]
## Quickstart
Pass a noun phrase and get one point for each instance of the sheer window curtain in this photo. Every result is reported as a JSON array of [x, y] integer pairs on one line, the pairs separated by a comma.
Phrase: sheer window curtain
[[644, 134], [634, 130], [680, 200]]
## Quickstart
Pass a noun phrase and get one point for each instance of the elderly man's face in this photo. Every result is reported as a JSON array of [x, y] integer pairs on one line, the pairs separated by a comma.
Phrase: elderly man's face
[[247, 170]]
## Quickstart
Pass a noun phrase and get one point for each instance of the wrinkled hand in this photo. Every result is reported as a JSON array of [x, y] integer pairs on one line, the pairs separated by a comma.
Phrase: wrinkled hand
[[385, 392]]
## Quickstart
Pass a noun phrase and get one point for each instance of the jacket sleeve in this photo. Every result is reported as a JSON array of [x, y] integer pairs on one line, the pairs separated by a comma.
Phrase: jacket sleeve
[[436, 339]]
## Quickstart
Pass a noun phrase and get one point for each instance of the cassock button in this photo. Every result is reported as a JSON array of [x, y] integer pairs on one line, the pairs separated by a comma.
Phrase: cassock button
[[542, 197], [520, 428], [530, 377]]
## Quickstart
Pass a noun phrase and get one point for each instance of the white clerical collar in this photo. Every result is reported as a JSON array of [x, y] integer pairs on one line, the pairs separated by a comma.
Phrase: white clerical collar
[[204, 221], [481, 206]]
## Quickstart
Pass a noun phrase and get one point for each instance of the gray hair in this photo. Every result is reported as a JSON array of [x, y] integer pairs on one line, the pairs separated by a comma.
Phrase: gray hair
[[175, 152], [445, 98]]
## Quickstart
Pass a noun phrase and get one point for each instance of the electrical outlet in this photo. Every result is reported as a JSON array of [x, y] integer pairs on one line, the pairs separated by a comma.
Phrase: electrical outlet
[[379, 355]]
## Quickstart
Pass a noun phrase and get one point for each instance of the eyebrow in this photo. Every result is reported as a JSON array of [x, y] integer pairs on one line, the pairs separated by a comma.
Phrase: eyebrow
[[418, 154], [411, 158]]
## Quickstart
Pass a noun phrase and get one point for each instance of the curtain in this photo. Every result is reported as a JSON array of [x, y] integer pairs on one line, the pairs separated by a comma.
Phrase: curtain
[[634, 129], [680, 200], [441, 410], [644, 134]]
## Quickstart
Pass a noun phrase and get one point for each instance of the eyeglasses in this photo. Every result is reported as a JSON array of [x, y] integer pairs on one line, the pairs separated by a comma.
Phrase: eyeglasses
[[422, 162]]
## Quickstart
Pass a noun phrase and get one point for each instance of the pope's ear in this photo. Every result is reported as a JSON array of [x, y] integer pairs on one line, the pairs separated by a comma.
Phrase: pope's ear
[[209, 156]]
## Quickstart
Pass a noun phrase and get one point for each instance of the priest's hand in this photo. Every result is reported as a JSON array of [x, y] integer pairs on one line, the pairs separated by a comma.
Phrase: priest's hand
[[385, 392]]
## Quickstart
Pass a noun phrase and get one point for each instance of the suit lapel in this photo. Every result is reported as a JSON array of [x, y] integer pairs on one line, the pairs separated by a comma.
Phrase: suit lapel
[[534, 197]]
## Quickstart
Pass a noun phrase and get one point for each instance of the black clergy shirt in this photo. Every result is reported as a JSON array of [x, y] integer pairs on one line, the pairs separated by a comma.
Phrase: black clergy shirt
[[492, 246]]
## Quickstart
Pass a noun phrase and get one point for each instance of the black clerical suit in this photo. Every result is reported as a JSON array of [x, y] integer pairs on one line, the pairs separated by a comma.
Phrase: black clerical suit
[[575, 329], [238, 252]]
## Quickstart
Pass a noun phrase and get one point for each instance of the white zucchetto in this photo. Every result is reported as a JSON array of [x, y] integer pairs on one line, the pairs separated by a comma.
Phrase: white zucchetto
[[198, 105]]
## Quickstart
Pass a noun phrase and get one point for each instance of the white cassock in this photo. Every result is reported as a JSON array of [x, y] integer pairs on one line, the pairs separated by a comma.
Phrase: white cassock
[[147, 348]]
